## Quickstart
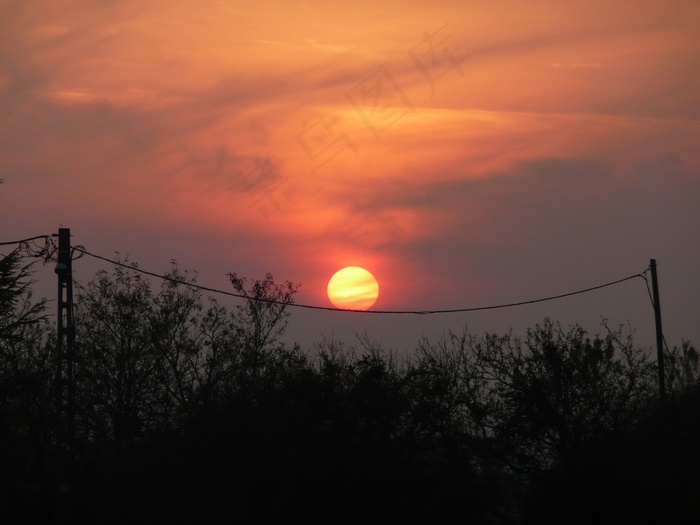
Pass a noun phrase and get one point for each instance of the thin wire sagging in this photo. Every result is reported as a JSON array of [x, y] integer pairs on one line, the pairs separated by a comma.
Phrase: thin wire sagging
[[327, 308]]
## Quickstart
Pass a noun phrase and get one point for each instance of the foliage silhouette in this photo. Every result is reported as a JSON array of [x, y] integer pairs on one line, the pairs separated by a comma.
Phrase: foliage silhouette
[[648, 475], [26, 410], [187, 409]]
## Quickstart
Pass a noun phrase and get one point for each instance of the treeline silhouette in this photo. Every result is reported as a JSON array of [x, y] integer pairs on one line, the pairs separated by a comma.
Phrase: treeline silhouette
[[188, 410]]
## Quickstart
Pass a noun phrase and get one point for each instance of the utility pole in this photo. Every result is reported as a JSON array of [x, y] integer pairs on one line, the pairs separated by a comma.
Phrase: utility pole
[[659, 333], [65, 383]]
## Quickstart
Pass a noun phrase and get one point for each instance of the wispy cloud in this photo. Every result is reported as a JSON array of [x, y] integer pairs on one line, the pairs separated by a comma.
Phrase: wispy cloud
[[313, 131]]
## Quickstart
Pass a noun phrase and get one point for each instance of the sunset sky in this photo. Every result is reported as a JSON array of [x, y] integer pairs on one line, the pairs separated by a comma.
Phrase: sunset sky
[[467, 153]]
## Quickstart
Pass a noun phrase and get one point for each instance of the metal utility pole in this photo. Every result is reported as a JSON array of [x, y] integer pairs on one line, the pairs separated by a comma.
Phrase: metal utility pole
[[65, 382], [659, 333]]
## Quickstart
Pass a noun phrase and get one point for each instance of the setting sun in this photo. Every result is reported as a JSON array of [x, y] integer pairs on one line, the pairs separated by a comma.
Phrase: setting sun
[[353, 288]]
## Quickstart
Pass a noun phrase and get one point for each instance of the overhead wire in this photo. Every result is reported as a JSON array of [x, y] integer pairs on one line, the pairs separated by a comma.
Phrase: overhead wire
[[133, 267], [7, 243], [651, 299], [49, 250], [34, 249]]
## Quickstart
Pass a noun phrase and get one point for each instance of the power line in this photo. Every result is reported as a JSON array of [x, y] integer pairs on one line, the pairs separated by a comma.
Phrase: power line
[[651, 299], [6, 243], [328, 308], [33, 248]]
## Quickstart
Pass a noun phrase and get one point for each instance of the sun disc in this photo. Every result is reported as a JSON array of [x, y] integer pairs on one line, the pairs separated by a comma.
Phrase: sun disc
[[353, 288]]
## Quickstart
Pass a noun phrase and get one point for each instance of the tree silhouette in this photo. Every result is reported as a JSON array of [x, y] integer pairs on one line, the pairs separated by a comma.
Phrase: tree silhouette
[[264, 316], [116, 363], [546, 403], [189, 410], [17, 311], [682, 369], [650, 476], [26, 411]]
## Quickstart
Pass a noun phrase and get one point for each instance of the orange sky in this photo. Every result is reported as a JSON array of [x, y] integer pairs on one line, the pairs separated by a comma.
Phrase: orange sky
[[551, 146]]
